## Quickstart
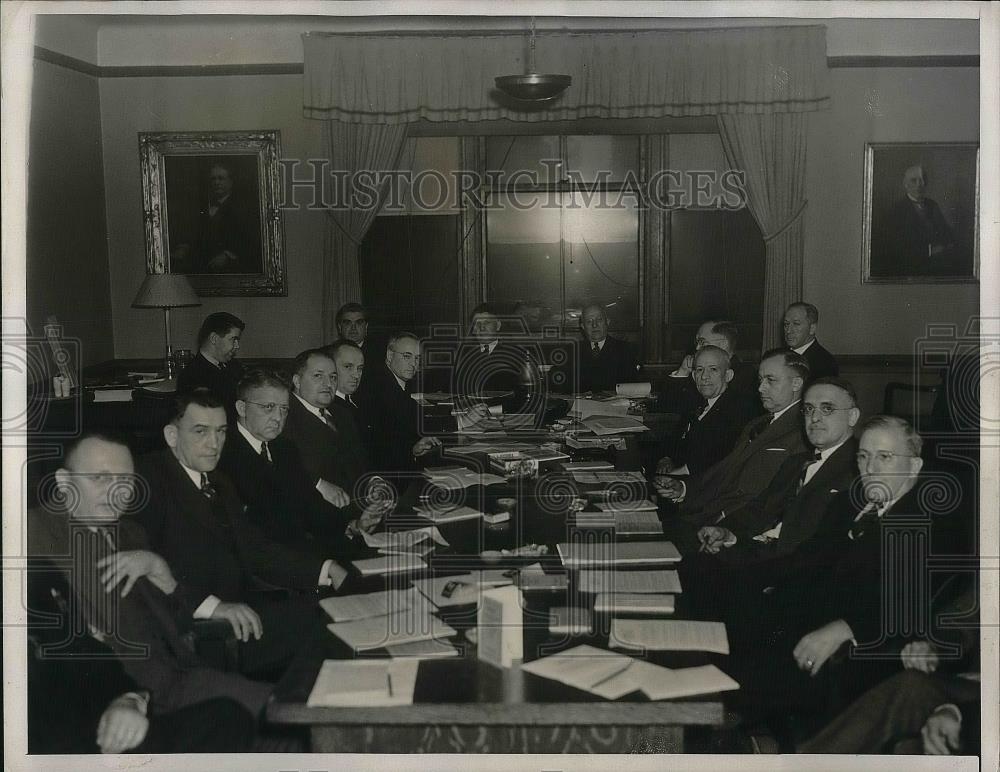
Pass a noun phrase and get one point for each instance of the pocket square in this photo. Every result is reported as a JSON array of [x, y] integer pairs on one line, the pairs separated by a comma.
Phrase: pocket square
[[834, 490], [780, 450]]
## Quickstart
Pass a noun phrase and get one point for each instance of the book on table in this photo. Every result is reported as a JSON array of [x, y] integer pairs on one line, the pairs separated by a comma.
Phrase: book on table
[[634, 604], [570, 620], [345, 608], [625, 523], [669, 635], [600, 581], [577, 554], [364, 683], [416, 623]]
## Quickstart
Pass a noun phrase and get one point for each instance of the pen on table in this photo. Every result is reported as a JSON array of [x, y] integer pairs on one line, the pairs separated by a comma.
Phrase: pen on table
[[608, 677], [388, 681]]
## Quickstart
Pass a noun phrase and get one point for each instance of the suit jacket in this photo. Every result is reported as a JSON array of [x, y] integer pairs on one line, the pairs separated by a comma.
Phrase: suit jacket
[[760, 451], [705, 442], [394, 418], [909, 235], [679, 395], [281, 497], [221, 380], [799, 510], [476, 372], [821, 361], [335, 455], [212, 548], [615, 364]]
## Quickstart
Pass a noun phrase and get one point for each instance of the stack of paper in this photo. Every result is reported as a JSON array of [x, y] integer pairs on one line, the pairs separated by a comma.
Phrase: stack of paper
[[585, 408], [447, 515], [364, 683], [603, 425], [578, 554], [596, 582], [462, 589], [610, 676], [413, 624], [570, 620], [374, 604], [404, 542], [635, 390], [624, 523], [579, 466], [669, 635], [466, 479], [389, 564], [634, 604], [630, 505]]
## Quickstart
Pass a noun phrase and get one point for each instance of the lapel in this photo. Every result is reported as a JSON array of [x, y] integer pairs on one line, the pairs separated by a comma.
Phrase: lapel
[[786, 423], [835, 466], [191, 499]]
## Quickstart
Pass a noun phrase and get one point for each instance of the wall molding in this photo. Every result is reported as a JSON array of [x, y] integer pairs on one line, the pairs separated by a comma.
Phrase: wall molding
[[297, 68]]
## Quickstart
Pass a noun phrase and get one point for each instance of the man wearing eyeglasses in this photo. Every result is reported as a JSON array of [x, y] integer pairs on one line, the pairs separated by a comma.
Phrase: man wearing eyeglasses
[[394, 417], [270, 478], [790, 509]]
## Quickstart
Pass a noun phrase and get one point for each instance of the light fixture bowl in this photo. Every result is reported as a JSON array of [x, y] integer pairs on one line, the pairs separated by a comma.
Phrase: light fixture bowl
[[533, 87]]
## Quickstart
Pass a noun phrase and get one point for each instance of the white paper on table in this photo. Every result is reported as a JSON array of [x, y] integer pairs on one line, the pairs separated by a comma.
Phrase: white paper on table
[[466, 587], [451, 515], [581, 667], [413, 624], [389, 564], [603, 424], [644, 604], [345, 608], [364, 683], [403, 539], [432, 649], [629, 582], [585, 408], [640, 505], [635, 390], [581, 553], [500, 629], [669, 635], [686, 682]]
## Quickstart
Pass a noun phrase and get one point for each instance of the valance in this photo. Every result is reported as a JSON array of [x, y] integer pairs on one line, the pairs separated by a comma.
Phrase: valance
[[650, 74]]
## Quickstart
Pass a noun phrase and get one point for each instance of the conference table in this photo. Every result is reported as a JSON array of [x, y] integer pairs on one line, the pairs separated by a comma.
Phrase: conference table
[[464, 705]]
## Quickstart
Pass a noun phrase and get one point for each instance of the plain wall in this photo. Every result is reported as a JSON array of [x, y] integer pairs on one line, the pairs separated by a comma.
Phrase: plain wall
[[67, 258], [276, 326], [911, 104]]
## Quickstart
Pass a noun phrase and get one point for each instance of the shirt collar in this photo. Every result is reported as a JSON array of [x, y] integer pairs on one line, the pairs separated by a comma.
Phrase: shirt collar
[[710, 404], [211, 359], [825, 454], [490, 346], [400, 381], [802, 349], [316, 411], [254, 442], [784, 410], [195, 476], [600, 344]]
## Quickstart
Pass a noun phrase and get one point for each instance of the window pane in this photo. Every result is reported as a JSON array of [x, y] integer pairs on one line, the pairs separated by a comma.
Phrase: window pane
[[613, 155], [513, 154], [602, 257], [522, 253]]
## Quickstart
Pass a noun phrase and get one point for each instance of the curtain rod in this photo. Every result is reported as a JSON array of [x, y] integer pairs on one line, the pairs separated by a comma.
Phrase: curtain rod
[[551, 31]]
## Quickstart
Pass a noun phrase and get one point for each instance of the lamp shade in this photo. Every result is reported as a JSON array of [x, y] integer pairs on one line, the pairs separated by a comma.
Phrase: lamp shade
[[165, 290]]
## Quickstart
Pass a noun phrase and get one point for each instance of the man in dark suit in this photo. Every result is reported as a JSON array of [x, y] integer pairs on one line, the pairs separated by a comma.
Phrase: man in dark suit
[[800, 336], [115, 587], [352, 325], [215, 367], [485, 363], [194, 518], [606, 361], [710, 430], [849, 590], [679, 394], [349, 362], [393, 415], [762, 448], [790, 509], [280, 495]]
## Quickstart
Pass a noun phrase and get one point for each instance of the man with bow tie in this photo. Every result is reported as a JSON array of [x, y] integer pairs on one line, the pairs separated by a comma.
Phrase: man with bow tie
[[215, 367]]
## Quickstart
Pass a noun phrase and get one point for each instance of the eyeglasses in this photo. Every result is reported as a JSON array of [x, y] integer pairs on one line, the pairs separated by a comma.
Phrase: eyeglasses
[[825, 409], [408, 357], [269, 407], [884, 457]]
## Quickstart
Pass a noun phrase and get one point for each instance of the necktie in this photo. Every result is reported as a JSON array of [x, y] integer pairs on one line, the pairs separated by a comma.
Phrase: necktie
[[265, 453], [595, 351], [328, 417], [866, 517], [804, 477], [207, 489], [485, 349]]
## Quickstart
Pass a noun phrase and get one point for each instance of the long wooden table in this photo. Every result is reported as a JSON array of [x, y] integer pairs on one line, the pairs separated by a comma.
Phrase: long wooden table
[[464, 705]]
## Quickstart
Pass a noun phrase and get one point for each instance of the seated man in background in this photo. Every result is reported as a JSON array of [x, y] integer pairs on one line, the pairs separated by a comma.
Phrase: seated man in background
[[790, 509], [801, 320], [352, 428], [709, 432], [90, 564], [215, 367], [280, 495], [606, 361], [680, 396], [194, 518], [352, 324], [485, 363], [393, 415], [762, 448]]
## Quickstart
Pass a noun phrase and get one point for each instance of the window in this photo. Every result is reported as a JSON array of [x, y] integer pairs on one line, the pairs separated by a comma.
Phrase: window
[[563, 228]]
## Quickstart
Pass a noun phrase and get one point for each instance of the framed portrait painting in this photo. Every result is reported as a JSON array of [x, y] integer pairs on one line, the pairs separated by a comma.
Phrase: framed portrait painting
[[920, 205], [210, 208]]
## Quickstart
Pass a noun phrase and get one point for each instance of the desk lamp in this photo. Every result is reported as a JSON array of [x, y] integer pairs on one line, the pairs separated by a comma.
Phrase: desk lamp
[[166, 291]]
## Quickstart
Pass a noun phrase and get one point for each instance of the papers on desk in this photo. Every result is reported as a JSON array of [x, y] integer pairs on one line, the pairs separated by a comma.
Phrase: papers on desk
[[462, 589], [585, 408], [606, 477], [634, 604], [634, 390], [389, 564], [576, 467], [597, 582], [112, 395], [432, 649], [624, 523], [669, 635], [639, 505], [436, 472], [373, 604], [579, 553], [542, 455], [603, 425], [451, 515], [364, 683], [413, 624], [534, 579], [570, 620], [466, 479], [404, 541]]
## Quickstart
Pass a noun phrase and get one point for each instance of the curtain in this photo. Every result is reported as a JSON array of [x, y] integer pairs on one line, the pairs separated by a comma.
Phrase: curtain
[[377, 79], [771, 152], [354, 147]]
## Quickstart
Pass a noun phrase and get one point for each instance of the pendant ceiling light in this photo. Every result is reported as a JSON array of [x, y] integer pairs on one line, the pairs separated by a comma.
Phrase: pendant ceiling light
[[533, 86]]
